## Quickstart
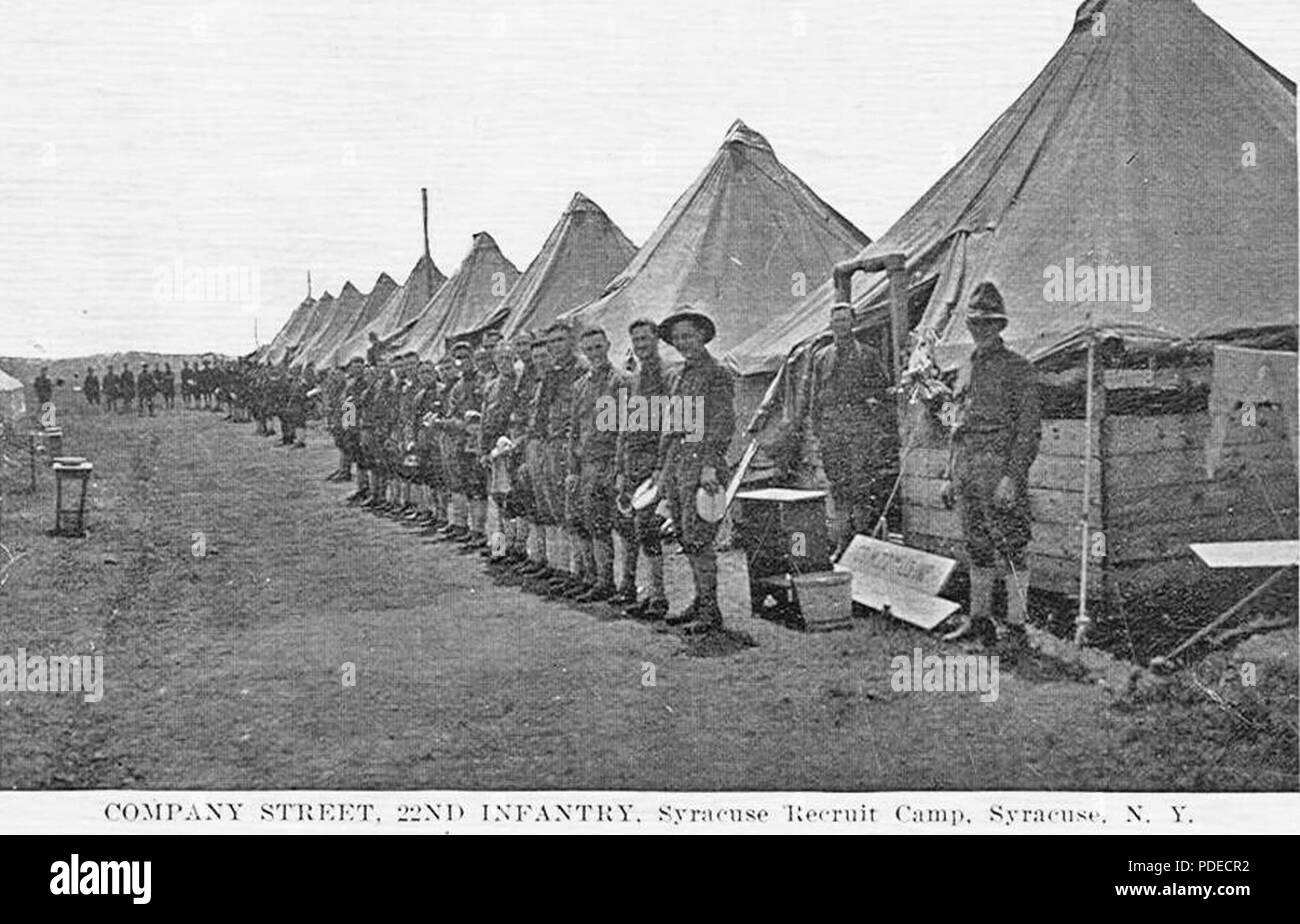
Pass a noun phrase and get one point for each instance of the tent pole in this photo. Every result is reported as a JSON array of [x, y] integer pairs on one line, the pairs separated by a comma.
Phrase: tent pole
[[428, 260], [1082, 620]]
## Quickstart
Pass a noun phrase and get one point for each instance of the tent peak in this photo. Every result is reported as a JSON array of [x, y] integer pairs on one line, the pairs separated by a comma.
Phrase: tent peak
[[740, 133], [1086, 12], [483, 239], [580, 203]]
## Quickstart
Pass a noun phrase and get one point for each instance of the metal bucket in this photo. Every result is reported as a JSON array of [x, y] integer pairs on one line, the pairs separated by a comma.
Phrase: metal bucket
[[825, 598]]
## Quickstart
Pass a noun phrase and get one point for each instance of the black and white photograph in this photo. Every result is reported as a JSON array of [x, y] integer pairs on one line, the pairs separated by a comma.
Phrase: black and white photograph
[[704, 416]]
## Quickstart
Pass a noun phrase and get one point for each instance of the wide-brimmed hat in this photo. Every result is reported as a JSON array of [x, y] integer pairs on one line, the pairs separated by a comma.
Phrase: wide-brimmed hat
[[686, 313], [986, 304]]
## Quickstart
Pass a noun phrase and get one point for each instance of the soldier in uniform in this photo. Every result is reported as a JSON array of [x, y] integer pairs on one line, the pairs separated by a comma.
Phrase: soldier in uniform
[[110, 389], [519, 502], [686, 466], [593, 448], [90, 387], [44, 387], [467, 401], [561, 491], [351, 419], [637, 457], [167, 386], [450, 439], [146, 387], [848, 391], [405, 462], [186, 386], [126, 387], [498, 405], [531, 422], [994, 445]]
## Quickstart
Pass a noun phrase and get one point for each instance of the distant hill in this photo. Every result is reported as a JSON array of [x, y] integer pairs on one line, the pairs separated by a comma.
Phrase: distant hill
[[25, 369]]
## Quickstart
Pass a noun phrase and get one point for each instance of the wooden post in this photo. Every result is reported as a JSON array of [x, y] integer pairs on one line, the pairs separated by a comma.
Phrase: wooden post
[[1082, 620]]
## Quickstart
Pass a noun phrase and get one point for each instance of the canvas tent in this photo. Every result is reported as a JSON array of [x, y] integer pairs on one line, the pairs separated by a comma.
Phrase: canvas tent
[[470, 297], [375, 301], [302, 325], [332, 327], [743, 243], [13, 404], [581, 255], [291, 329], [1134, 205], [401, 309]]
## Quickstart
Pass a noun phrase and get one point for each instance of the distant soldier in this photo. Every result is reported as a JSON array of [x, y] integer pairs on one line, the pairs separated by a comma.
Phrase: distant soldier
[[849, 387], [467, 402], [44, 387], [424, 479], [167, 386], [519, 509], [332, 416], [355, 422], [638, 453], [687, 466], [145, 390], [110, 390], [187, 384], [126, 388], [994, 445], [90, 387]]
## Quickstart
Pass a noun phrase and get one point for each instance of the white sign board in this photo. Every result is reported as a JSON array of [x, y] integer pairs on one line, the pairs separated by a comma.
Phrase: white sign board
[[903, 580]]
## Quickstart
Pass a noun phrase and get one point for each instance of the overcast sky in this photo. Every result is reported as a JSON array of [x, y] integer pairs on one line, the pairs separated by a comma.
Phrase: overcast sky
[[270, 139]]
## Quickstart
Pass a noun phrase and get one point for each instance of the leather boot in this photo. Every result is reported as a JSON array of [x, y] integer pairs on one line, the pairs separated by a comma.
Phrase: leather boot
[[977, 622]]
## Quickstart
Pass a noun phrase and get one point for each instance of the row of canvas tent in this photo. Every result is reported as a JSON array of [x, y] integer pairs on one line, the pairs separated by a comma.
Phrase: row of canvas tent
[[1152, 140], [744, 242]]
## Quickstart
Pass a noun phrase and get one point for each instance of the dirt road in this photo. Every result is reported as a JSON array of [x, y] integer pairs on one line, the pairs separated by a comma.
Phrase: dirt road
[[228, 669]]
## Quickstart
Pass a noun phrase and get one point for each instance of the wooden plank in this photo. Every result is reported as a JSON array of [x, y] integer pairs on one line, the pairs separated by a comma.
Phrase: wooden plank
[[1046, 472], [1274, 554], [1127, 435], [1233, 495], [1155, 541], [1183, 466], [1170, 378], [1065, 438], [1047, 504], [1057, 539]]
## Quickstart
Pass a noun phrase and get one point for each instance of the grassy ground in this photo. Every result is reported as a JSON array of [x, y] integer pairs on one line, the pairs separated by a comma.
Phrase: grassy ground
[[226, 670]]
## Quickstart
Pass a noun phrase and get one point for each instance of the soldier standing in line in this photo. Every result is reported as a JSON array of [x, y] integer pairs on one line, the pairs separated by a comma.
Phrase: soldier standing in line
[[146, 387], [110, 388], [374, 434], [532, 411], [126, 386], [187, 384], [565, 370], [423, 412], [686, 466], [450, 431], [638, 453], [467, 401], [167, 385], [353, 422], [519, 502], [848, 391], [593, 448], [994, 445], [405, 463], [498, 405], [331, 417], [90, 387]]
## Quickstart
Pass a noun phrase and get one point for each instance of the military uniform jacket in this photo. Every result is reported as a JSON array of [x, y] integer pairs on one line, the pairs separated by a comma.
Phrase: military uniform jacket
[[1001, 414], [844, 381], [588, 443], [706, 379], [638, 450], [558, 399], [498, 405]]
